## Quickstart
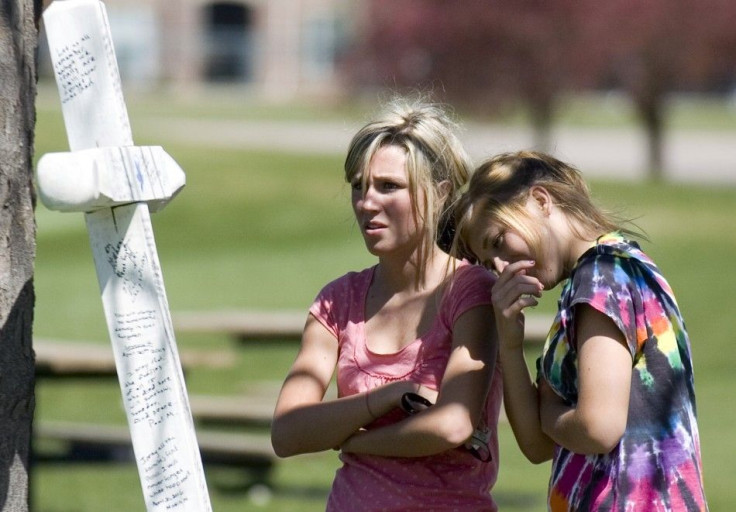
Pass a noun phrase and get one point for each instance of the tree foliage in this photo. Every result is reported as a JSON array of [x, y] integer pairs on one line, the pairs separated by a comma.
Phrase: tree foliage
[[651, 49], [487, 53]]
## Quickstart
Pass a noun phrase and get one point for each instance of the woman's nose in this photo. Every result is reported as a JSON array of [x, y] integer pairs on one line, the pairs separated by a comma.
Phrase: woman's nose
[[368, 201]]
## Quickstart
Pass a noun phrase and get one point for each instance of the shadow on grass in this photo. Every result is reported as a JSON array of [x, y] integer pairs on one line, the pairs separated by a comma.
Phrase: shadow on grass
[[307, 492], [518, 501]]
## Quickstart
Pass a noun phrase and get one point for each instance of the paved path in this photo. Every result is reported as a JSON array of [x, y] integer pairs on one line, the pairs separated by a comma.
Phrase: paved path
[[706, 157]]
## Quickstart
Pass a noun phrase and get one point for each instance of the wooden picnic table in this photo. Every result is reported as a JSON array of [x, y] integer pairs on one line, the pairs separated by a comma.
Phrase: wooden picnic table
[[112, 442], [287, 325], [249, 450]]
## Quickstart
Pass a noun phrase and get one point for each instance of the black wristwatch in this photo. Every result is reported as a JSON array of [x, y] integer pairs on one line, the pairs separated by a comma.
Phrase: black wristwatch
[[412, 403]]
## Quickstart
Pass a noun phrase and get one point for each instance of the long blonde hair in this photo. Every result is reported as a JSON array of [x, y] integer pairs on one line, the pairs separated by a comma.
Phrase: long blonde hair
[[499, 188], [434, 154]]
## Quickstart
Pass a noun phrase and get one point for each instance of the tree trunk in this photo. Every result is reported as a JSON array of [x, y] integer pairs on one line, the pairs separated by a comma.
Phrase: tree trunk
[[18, 41], [541, 112], [542, 118], [651, 111], [647, 84]]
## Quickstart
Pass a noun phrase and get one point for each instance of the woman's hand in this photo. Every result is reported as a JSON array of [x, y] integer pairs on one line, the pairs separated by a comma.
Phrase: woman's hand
[[513, 292]]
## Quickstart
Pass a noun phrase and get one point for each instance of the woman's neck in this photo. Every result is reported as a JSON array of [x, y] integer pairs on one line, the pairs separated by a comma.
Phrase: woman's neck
[[573, 240], [400, 274]]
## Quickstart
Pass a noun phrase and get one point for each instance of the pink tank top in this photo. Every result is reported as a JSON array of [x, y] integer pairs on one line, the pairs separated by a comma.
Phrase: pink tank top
[[452, 480]]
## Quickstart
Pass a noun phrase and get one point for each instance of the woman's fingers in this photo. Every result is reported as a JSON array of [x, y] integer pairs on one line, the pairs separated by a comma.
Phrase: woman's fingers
[[517, 288], [511, 269], [514, 291]]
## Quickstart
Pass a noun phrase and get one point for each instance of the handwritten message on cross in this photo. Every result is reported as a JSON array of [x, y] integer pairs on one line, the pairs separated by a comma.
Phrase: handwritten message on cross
[[116, 185]]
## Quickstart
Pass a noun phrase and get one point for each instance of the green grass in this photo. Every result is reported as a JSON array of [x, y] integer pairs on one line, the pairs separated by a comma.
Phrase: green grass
[[267, 230]]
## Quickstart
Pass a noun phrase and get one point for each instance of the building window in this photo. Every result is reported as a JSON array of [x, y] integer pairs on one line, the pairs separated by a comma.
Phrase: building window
[[228, 42]]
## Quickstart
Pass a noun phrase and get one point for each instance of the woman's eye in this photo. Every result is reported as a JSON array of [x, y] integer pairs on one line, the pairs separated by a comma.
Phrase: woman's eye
[[498, 241], [390, 186], [357, 185]]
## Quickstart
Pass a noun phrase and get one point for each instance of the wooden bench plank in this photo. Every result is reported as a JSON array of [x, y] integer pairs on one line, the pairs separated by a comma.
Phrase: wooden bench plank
[[236, 410], [287, 325], [245, 325], [252, 409], [57, 358], [68, 358], [238, 449]]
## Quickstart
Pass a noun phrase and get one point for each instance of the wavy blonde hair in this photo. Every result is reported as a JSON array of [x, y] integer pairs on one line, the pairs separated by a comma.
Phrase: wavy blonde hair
[[434, 154]]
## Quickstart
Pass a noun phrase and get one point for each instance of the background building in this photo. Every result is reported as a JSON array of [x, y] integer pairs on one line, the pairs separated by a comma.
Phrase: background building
[[280, 49]]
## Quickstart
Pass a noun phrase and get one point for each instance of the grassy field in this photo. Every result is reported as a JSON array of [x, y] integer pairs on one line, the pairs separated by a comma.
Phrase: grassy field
[[267, 230]]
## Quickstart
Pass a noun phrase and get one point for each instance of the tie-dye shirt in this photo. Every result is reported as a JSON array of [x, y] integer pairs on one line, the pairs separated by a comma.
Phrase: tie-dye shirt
[[656, 466]]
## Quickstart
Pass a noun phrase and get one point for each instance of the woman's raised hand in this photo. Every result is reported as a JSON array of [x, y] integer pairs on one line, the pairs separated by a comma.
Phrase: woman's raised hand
[[514, 290]]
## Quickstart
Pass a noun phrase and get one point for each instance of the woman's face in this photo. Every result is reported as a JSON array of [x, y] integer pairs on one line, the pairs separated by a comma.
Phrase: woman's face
[[496, 246], [384, 208]]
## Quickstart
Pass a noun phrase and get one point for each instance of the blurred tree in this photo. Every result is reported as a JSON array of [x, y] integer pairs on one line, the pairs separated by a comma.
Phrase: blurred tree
[[651, 49], [18, 41], [484, 53]]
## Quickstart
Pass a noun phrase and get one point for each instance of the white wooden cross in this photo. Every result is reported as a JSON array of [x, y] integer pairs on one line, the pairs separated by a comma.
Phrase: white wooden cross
[[115, 183]]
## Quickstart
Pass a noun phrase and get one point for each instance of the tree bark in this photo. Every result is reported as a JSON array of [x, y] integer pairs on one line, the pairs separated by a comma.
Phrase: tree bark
[[651, 111], [18, 41], [542, 118]]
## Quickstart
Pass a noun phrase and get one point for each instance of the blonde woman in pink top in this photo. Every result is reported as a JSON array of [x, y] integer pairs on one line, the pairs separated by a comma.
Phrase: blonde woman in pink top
[[414, 330]]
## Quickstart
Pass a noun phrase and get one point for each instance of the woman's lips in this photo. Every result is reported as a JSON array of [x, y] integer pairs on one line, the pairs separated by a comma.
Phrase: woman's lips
[[373, 226]]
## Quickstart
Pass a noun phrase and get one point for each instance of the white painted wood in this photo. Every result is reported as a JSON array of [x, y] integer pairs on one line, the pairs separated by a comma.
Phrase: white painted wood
[[90, 179], [128, 269]]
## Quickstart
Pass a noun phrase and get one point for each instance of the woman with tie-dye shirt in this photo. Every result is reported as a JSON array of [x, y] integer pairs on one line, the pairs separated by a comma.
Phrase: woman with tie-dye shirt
[[613, 404]]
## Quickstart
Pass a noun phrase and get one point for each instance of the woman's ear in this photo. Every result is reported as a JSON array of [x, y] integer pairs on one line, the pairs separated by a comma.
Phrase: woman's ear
[[444, 189], [541, 198]]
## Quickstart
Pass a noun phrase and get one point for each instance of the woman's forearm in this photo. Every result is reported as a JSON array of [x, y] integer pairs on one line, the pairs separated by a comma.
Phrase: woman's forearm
[[568, 428], [435, 430], [521, 402], [460, 402], [598, 419], [320, 426]]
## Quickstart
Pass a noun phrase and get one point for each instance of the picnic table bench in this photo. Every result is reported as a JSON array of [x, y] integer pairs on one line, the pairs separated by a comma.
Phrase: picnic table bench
[[239, 410], [57, 358], [251, 409], [287, 325], [244, 325], [247, 450], [256, 326], [85, 441], [251, 452]]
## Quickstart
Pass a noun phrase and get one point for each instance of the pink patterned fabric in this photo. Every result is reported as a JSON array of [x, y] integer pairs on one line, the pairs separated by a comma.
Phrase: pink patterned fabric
[[453, 480]]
